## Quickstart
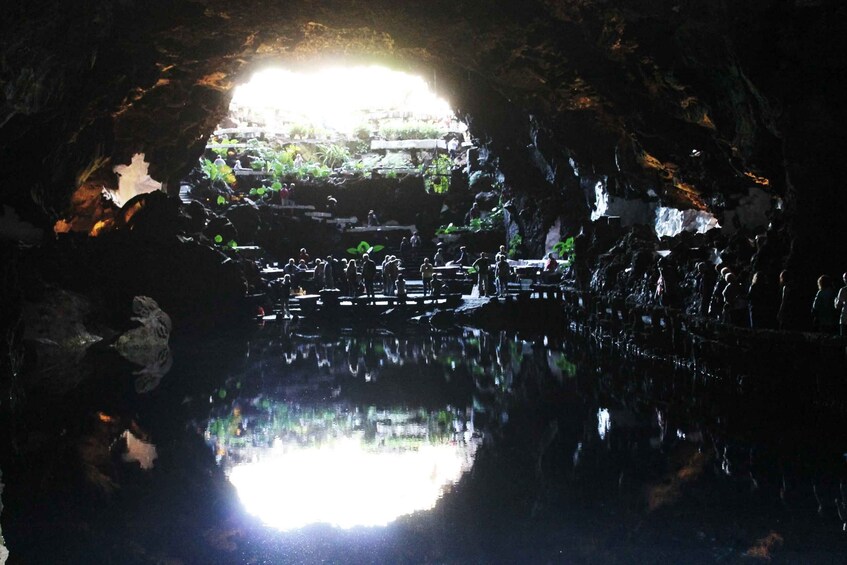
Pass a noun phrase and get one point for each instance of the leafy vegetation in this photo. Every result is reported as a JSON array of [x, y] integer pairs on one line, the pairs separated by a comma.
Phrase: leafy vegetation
[[514, 245], [332, 155], [437, 175], [488, 222], [217, 172], [450, 229], [364, 247], [222, 151], [565, 250], [399, 130]]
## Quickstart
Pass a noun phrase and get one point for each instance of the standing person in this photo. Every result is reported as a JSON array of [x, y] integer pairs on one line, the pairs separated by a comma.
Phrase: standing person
[[438, 260], [787, 315], [824, 315], [329, 272], [404, 250], [841, 305], [318, 276], [502, 270], [481, 265], [426, 274], [392, 271], [473, 214], [401, 288], [373, 220], [551, 268], [734, 302], [453, 147], [716, 303], [352, 278], [368, 275], [415, 241], [284, 194], [285, 294], [385, 286], [757, 299]]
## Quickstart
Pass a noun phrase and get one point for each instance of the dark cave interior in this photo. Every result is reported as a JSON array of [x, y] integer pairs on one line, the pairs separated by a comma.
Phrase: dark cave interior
[[687, 105]]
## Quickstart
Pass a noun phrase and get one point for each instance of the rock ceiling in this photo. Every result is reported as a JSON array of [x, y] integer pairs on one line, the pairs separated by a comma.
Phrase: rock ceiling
[[695, 100]]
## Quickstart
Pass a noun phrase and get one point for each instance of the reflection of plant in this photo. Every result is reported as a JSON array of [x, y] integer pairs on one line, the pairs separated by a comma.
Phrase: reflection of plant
[[364, 247], [565, 249], [437, 175], [219, 240], [567, 367]]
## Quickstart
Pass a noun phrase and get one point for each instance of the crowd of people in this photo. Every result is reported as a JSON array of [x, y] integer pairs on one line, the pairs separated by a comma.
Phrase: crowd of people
[[361, 276], [765, 303]]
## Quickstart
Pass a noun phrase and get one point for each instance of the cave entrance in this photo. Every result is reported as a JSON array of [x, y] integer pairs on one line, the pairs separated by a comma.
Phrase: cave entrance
[[331, 125], [333, 160]]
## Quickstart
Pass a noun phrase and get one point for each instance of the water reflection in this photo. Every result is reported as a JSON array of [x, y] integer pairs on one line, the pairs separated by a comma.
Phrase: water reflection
[[576, 455], [328, 431], [347, 482], [360, 429]]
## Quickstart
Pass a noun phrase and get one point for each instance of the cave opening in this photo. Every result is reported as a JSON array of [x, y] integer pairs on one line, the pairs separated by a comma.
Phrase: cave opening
[[338, 158]]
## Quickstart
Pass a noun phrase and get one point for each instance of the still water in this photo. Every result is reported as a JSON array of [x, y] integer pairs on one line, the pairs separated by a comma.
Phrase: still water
[[291, 446]]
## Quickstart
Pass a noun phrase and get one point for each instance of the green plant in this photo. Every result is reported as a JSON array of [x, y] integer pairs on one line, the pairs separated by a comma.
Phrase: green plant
[[514, 243], [395, 161], [364, 247], [332, 155], [224, 143], [217, 172], [400, 129], [565, 250], [300, 130], [437, 175], [489, 222], [362, 132], [449, 228]]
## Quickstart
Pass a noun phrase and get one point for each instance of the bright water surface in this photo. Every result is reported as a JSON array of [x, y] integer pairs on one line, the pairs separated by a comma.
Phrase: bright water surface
[[286, 447]]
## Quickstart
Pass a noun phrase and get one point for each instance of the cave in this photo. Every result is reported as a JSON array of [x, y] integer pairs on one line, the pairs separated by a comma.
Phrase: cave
[[151, 404]]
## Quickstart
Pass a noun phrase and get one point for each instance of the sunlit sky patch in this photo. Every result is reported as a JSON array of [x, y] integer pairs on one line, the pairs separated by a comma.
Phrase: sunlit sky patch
[[336, 97], [344, 484]]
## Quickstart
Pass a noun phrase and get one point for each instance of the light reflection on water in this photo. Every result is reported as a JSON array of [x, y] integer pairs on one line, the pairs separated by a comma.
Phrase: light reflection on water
[[293, 466], [346, 483]]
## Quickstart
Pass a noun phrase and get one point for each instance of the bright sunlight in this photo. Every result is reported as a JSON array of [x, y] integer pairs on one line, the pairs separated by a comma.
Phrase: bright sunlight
[[336, 98]]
